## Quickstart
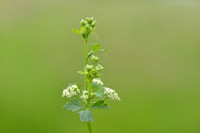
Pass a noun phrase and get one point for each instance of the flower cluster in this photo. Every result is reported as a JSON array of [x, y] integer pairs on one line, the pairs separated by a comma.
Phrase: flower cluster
[[99, 67], [93, 72], [111, 93], [88, 26], [71, 91], [97, 81], [89, 67], [84, 95], [95, 59]]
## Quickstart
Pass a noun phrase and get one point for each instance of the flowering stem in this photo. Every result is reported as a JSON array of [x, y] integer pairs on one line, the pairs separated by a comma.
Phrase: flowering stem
[[89, 95], [86, 62], [89, 127]]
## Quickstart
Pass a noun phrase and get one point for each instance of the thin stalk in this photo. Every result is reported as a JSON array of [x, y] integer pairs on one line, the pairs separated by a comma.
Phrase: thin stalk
[[86, 61], [89, 89], [89, 127], [89, 98], [89, 92]]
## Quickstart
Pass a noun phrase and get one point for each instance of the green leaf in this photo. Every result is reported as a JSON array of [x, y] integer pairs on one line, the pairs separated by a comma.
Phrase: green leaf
[[81, 72], [89, 54], [100, 93], [99, 105], [101, 50], [86, 115], [73, 107], [75, 102], [95, 86], [83, 29], [103, 106], [95, 47], [76, 31]]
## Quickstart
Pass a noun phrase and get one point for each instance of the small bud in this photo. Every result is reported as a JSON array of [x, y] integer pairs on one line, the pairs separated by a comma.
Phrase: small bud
[[83, 22], [87, 27], [94, 72], [95, 59], [89, 67], [99, 68], [93, 24], [90, 20]]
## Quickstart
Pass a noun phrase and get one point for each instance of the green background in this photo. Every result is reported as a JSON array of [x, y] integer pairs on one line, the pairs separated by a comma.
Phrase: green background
[[152, 62]]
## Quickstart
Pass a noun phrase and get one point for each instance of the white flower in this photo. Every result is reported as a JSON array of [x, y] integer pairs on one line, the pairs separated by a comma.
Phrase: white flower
[[71, 91], [84, 95], [85, 92], [66, 93], [97, 81], [74, 86], [111, 94], [78, 91]]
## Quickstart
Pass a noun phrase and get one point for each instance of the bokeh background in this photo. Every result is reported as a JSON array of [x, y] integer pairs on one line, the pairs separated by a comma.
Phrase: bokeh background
[[153, 62]]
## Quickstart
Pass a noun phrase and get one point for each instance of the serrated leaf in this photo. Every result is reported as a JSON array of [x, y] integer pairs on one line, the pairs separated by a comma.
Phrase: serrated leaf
[[72, 107], [100, 102], [99, 105], [76, 31], [86, 115], [100, 93], [75, 102], [95, 47]]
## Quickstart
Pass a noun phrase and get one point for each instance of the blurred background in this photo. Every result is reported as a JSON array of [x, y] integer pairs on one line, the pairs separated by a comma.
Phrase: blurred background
[[152, 62]]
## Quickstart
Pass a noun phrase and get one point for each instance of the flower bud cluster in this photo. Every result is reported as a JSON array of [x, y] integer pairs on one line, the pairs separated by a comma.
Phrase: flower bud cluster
[[97, 81], [111, 94], [99, 67], [89, 25], [84, 95], [93, 72], [71, 91], [95, 59], [89, 67]]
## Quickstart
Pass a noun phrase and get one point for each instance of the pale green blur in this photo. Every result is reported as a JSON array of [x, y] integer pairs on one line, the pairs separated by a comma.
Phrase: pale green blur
[[153, 62]]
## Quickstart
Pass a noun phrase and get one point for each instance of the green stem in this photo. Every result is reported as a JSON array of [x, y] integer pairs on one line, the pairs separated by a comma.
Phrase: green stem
[[89, 127], [89, 92], [86, 61]]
